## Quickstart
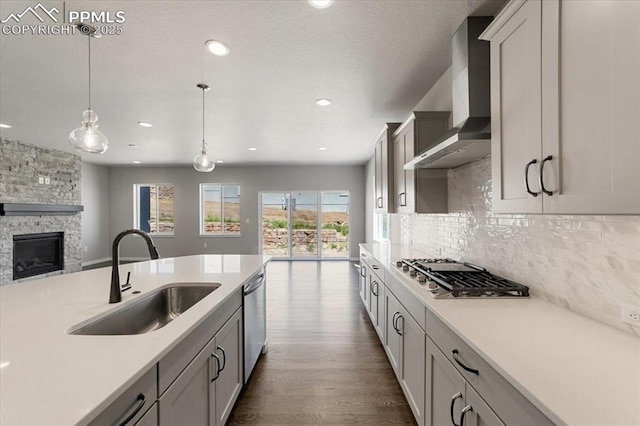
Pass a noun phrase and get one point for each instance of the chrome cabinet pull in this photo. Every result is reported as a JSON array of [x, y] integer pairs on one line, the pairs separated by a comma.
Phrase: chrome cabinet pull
[[399, 202], [133, 410], [375, 293], [461, 364], [400, 317], [380, 202], [217, 367], [363, 271], [224, 358], [395, 318], [375, 267], [453, 403], [464, 412], [545, 190], [526, 177]]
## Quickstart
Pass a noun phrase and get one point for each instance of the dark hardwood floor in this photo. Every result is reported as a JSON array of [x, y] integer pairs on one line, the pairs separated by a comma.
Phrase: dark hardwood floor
[[325, 363]]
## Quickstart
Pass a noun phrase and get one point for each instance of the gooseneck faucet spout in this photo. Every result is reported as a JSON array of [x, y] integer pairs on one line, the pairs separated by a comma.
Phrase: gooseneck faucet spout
[[115, 295]]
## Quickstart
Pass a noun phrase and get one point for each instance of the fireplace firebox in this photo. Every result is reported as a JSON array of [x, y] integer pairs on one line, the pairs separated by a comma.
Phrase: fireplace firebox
[[36, 254]]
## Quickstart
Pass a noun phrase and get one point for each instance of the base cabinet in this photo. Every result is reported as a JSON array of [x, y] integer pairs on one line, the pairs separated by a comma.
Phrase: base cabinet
[[449, 398], [206, 390], [405, 347]]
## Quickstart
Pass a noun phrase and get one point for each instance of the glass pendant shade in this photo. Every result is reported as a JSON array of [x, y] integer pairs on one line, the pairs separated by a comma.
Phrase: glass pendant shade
[[202, 162], [88, 138]]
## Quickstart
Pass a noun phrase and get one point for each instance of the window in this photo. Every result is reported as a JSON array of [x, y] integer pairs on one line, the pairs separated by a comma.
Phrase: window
[[219, 209], [381, 227], [153, 208]]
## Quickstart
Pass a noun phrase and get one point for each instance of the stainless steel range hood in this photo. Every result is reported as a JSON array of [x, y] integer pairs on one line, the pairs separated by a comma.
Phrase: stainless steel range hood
[[470, 139]]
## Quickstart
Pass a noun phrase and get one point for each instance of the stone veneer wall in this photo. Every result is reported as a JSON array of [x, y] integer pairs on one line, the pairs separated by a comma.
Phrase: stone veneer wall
[[588, 264], [20, 166]]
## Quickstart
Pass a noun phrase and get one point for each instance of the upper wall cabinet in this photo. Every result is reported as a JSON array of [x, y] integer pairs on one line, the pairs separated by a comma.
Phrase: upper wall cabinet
[[384, 170], [419, 190], [565, 106]]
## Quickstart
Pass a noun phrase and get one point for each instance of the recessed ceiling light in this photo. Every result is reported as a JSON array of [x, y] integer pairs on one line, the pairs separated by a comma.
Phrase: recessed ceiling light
[[322, 148], [5, 126], [320, 4], [217, 48], [323, 101], [220, 161], [144, 124], [253, 149], [132, 145], [136, 162]]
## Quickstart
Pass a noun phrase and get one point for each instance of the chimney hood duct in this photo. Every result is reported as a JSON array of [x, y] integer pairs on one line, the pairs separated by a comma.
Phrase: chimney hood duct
[[470, 139]]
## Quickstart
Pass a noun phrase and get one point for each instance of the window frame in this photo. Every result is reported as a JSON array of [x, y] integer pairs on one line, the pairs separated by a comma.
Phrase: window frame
[[201, 232], [136, 208]]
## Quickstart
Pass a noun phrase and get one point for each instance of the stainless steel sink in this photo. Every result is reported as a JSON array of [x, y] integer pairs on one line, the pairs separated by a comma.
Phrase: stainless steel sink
[[150, 312]]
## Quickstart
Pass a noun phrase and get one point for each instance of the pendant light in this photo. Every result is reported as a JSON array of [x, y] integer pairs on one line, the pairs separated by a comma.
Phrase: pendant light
[[88, 138], [202, 162]]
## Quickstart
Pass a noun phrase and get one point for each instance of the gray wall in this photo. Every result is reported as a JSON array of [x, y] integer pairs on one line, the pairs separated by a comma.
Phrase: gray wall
[[252, 180], [95, 218], [369, 175]]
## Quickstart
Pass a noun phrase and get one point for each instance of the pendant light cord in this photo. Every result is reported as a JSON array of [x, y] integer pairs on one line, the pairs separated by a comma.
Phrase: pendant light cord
[[89, 37], [203, 90]]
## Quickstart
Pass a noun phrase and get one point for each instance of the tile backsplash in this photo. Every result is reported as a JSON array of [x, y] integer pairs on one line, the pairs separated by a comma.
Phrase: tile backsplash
[[588, 264]]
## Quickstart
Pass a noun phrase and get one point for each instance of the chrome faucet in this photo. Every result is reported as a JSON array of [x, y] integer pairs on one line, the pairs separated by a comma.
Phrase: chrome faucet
[[115, 294]]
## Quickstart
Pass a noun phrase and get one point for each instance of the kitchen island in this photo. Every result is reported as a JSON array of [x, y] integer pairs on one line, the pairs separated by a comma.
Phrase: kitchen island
[[48, 376]]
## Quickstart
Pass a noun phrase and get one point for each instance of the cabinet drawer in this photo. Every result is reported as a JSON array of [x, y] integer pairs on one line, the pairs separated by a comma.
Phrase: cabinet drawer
[[502, 397], [171, 365], [132, 404], [410, 302], [372, 264]]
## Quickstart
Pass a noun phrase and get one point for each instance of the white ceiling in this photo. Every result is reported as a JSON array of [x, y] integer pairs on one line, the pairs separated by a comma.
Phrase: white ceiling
[[374, 59]]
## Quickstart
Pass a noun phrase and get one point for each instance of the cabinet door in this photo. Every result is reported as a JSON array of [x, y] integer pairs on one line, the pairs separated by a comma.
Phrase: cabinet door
[[478, 413], [379, 171], [380, 323], [413, 363], [374, 293], [591, 104], [516, 103], [409, 200], [190, 400], [393, 339], [399, 174], [445, 389], [363, 279], [229, 345]]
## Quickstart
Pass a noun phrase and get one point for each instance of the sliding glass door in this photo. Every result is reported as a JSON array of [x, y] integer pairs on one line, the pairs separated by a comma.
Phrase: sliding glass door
[[305, 224]]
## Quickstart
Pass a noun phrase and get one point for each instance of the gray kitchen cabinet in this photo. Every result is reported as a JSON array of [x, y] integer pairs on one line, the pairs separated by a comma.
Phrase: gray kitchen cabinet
[[204, 393], [450, 399], [229, 347], [421, 190], [190, 400], [132, 404], [495, 401], [564, 95], [405, 344], [365, 272], [384, 188]]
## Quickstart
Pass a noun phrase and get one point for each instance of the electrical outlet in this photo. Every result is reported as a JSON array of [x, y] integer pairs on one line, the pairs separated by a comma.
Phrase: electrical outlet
[[47, 180], [631, 315], [86, 249], [41, 180], [205, 245]]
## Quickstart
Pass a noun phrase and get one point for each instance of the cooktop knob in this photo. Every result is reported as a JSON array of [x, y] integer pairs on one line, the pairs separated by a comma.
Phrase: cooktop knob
[[433, 286], [422, 278], [413, 273], [399, 263], [405, 268]]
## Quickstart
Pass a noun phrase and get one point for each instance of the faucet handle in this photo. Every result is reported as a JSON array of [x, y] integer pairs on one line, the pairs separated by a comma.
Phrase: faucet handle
[[126, 286]]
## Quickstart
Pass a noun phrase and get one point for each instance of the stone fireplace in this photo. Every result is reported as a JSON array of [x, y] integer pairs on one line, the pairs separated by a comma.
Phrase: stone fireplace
[[21, 166]]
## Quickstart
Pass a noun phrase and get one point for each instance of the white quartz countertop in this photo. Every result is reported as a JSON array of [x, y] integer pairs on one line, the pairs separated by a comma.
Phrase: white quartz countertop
[[50, 377], [575, 370]]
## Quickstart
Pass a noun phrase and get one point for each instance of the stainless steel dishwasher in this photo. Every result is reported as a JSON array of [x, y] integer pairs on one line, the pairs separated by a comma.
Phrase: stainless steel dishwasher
[[255, 321]]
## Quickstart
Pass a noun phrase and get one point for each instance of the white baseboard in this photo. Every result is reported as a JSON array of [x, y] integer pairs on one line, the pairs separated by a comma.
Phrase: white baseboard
[[134, 259], [93, 262]]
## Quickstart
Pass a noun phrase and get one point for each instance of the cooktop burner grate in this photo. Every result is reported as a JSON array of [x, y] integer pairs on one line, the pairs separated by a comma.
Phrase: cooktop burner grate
[[477, 284]]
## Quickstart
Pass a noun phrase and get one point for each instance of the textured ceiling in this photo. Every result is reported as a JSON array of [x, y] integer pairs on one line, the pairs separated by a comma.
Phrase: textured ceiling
[[374, 59]]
